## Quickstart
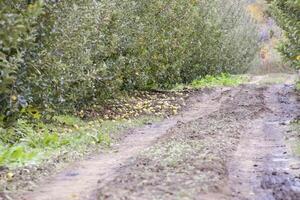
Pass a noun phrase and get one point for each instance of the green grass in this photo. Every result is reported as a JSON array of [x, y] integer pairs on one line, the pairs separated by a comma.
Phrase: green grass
[[214, 81], [294, 137], [297, 86], [31, 143]]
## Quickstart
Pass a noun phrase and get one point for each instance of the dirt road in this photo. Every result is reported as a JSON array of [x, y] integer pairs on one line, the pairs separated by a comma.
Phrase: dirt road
[[228, 143]]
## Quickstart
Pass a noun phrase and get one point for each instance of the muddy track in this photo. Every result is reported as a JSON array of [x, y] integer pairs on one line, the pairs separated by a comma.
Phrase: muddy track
[[236, 152], [227, 144], [200, 148], [79, 180], [262, 167]]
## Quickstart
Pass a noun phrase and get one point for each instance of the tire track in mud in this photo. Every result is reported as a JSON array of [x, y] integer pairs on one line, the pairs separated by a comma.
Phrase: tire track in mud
[[79, 180], [227, 144], [190, 162], [260, 168], [236, 152]]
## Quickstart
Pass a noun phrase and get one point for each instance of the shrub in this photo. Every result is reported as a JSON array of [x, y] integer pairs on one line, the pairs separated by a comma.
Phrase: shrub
[[17, 35], [287, 13], [67, 55]]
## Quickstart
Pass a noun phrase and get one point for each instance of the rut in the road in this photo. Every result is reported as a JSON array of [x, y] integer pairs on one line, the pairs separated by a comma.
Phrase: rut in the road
[[229, 144], [191, 161], [79, 181], [237, 152], [260, 168]]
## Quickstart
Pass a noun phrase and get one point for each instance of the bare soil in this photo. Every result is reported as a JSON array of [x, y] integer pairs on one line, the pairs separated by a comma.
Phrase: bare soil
[[228, 143], [79, 180], [262, 166]]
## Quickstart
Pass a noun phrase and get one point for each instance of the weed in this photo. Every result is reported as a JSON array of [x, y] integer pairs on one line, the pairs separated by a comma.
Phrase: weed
[[68, 120], [214, 81], [34, 143], [294, 136], [16, 156], [103, 138], [297, 86]]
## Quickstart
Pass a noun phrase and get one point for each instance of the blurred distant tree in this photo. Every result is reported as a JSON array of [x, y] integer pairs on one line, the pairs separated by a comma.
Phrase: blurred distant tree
[[287, 14]]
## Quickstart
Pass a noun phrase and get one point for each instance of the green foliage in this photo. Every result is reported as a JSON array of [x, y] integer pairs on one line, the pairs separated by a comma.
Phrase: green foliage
[[16, 156], [287, 13], [68, 120], [297, 87], [63, 56], [103, 138], [31, 143], [15, 134], [221, 80], [214, 81], [17, 36]]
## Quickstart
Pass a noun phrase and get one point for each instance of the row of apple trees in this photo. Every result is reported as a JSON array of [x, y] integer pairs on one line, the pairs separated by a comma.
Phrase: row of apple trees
[[61, 56]]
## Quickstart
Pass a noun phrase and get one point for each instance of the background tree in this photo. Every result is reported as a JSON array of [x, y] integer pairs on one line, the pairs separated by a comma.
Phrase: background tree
[[287, 14]]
